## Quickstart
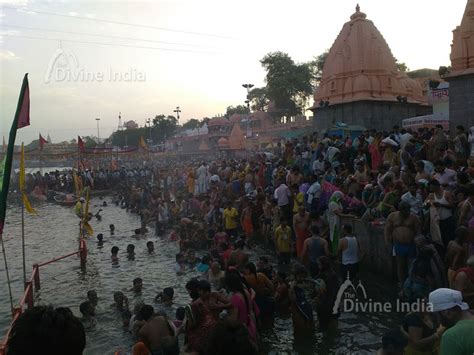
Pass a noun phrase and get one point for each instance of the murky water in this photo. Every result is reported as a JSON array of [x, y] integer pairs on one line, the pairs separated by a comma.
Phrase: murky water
[[54, 233]]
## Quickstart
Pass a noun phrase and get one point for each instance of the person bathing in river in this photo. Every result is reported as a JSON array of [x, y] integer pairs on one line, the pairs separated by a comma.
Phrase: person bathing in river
[[92, 297], [150, 247], [87, 310], [100, 240], [131, 252], [401, 228], [166, 296], [114, 256], [301, 223]]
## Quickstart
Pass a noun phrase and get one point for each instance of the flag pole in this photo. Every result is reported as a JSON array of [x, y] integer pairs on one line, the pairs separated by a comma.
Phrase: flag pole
[[23, 241], [8, 275]]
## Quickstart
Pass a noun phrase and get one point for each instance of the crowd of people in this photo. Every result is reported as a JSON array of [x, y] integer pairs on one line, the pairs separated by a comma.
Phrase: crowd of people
[[299, 202]]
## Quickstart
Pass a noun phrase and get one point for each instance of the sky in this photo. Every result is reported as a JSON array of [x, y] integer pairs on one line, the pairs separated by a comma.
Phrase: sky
[[212, 48]]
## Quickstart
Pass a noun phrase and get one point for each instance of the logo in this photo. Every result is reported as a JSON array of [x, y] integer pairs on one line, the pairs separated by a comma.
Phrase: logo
[[64, 66], [349, 292], [354, 299]]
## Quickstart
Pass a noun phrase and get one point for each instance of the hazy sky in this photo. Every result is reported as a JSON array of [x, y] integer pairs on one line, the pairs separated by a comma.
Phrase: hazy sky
[[202, 74]]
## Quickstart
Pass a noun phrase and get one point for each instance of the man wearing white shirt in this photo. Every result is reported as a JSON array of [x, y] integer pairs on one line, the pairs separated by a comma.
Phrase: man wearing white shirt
[[314, 193], [282, 195]]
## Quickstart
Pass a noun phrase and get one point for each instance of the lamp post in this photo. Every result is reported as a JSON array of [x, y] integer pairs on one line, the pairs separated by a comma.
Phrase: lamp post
[[177, 111], [149, 127], [248, 87], [98, 135]]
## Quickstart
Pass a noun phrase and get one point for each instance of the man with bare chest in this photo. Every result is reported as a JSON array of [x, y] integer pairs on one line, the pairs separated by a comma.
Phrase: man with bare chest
[[301, 228], [401, 229], [154, 331]]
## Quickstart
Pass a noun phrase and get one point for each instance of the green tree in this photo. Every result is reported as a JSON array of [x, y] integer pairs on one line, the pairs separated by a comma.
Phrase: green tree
[[317, 66], [240, 109], [401, 66], [258, 99], [444, 71], [288, 84], [192, 124], [164, 127]]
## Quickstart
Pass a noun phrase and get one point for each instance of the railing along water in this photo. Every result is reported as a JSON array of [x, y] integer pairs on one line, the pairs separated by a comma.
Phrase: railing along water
[[34, 285]]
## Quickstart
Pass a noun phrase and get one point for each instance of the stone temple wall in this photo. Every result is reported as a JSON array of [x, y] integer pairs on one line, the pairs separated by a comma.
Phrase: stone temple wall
[[381, 115], [461, 101]]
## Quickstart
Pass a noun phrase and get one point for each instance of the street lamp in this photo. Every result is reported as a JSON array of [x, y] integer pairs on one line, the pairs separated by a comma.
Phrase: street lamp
[[248, 87], [178, 110], [149, 127], [98, 135]]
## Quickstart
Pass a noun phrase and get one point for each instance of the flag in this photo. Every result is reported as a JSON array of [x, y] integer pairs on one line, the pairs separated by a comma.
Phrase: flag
[[22, 119], [80, 143], [26, 203], [85, 217], [142, 144], [42, 142]]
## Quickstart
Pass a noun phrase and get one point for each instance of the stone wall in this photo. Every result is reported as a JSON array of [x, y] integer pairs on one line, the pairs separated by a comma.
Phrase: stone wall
[[381, 115], [461, 101], [378, 257]]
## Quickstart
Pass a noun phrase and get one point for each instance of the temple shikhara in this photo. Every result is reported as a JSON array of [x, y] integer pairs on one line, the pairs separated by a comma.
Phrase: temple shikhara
[[361, 84], [461, 78]]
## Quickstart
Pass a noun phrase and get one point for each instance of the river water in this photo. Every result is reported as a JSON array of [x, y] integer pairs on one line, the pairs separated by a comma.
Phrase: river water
[[54, 232]]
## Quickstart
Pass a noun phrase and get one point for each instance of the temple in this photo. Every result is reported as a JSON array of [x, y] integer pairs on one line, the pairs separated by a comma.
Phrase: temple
[[360, 82], [461, 78]]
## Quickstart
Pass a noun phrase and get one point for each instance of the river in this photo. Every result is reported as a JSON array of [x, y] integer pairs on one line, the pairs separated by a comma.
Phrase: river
[[54, 232]]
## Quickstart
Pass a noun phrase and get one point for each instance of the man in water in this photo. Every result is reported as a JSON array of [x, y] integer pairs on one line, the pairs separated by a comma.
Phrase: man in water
[[121, 305], [154, 331], [401, 229], [137, 285], [301, 227], [313, 248], [131, 252], [87, 310], [166, 296], [150, 247], [112, 229], [92, 297], [179, 267], [114, 256], [283, 242], [100, 240], [454, 315]]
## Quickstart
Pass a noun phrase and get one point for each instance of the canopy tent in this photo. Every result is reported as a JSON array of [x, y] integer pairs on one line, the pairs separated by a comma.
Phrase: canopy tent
[[344, 130], [429, 121]]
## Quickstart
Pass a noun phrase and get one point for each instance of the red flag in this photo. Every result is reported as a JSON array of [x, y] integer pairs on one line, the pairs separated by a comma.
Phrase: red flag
[[80, 143], [42, 141], [24, 103]]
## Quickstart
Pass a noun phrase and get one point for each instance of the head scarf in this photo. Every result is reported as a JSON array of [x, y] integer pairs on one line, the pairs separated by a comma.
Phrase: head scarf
[[336, 197]]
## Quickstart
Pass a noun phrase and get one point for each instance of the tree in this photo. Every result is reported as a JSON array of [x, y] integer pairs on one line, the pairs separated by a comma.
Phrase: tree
[[317, 66], [192, 124], [258, 99], [240, 109], [164, 127], [401, 66], [288, 84], [444, 71]]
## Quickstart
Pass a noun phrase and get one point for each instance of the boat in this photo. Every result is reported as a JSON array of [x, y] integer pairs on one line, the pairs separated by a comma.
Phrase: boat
[[65, 199]]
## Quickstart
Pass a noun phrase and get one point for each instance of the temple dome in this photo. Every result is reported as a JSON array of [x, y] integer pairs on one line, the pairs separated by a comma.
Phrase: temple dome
[[223, 142], [462, 49], [360, 66]]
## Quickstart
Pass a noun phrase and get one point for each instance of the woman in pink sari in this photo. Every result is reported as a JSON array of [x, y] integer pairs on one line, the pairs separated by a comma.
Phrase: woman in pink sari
[[375, 155], [245, 310]]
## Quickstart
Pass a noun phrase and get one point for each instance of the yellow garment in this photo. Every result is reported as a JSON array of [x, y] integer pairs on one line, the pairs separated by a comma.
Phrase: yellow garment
[[283, 239], [230, 217], [298, 201], [78, 209]]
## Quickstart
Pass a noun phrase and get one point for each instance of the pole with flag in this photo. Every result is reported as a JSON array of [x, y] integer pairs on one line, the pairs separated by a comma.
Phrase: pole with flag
[[22, 119], [25, 204], [80, 149], [42, 142]]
